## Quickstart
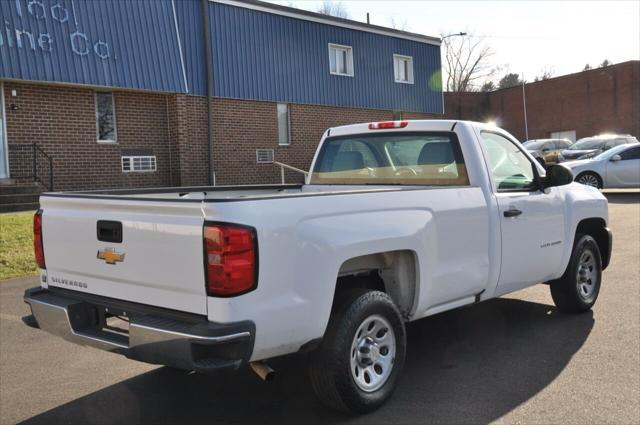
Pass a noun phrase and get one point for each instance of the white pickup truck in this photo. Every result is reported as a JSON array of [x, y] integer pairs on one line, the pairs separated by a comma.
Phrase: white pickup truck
[[397, 221]]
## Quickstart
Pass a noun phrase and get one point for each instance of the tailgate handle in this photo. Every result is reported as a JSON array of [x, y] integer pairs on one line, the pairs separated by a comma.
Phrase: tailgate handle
[[109, 231]]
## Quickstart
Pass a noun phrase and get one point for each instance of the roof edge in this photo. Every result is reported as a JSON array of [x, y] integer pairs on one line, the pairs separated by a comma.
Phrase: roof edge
[[306, 15]]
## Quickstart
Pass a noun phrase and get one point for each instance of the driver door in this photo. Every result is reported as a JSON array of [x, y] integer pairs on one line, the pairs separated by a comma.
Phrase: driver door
[[531, 222], [626, 171]]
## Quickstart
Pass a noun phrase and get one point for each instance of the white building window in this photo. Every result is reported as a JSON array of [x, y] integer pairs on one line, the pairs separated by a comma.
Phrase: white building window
[[403, 69], [341, 60], [284, 128], [105, 118], [138, 163]]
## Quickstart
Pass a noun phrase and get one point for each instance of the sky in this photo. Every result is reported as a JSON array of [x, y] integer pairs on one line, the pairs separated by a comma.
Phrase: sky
[[526, 37]]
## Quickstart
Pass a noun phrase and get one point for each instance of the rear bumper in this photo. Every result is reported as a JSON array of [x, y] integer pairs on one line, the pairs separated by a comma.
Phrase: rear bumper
[[155, 335]]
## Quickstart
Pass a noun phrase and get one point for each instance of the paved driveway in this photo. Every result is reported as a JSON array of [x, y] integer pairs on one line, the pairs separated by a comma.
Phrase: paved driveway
[[509, 360]]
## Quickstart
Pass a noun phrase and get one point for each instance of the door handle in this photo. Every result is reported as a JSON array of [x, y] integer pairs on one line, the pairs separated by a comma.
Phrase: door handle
[[512, 212]]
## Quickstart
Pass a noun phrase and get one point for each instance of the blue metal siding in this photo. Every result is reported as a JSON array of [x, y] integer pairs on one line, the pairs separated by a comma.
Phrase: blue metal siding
[[131, 44], [256, 55], [264, 56]]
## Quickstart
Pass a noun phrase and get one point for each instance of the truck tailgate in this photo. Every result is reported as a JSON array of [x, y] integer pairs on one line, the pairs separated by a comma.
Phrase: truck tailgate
[[158, 262]]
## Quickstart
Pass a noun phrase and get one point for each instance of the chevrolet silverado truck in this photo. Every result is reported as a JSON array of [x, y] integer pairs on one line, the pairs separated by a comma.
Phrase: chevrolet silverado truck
[[396, 221]]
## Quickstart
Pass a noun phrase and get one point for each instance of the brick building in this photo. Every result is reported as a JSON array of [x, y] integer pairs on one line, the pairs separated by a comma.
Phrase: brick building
[[103, 95], [602, 100]]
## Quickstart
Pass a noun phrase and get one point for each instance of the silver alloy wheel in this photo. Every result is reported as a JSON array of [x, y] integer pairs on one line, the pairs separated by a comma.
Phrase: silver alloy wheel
[[589, 180], [587, 274], [373, 352]]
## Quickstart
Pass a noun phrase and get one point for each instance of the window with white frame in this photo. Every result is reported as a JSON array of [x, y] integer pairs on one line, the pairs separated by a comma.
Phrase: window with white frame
[[341, 60], [284, 129], [105, 118], [132, 163], [403, 69]]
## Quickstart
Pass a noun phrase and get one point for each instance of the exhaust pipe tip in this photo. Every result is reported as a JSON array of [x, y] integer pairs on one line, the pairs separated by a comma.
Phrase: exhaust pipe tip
[[263, 371]]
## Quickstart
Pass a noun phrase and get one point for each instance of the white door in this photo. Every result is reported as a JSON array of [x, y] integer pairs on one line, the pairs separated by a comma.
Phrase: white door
[[626, 172], [531, 221], [4, 160], [569, 134]]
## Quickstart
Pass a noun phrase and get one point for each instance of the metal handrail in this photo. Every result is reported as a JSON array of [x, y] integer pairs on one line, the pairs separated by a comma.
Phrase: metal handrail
[[289, 167], [37, 149]]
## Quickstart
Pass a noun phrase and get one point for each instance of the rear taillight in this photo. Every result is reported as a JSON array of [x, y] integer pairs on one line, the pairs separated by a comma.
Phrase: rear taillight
[[387, 124], [231, 259], [37, 239]]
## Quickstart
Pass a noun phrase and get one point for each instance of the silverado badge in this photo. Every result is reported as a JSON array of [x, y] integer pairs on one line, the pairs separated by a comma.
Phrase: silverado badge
[[110, 256]]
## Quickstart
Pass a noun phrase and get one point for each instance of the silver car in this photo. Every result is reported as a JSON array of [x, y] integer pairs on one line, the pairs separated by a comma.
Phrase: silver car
[[619, 167], [589, 147]]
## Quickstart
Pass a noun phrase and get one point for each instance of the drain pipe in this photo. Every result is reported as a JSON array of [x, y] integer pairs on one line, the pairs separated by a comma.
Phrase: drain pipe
[[208, 66]]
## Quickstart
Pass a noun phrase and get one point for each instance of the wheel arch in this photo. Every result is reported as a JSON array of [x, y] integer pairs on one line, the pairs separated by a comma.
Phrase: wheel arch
[[596, 227], [393, 272]]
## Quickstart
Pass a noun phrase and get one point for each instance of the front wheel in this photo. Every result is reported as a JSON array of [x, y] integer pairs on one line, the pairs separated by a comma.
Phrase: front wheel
[[578, 288], [590, 179], [356, 367]]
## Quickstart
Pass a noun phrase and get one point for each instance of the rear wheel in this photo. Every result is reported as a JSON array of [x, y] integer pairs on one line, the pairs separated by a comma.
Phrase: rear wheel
[[577, 290], [590, 179], [356, 367]]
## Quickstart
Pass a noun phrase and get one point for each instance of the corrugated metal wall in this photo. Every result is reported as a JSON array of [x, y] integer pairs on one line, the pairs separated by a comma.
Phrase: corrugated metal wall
[[256, 55], [130, 44], [260, 55]]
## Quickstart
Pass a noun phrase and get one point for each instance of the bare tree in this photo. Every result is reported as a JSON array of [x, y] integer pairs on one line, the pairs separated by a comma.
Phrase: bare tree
[[333, 8], [546, 74], [605, 63], [466, 61], [586, 67], [398, 25]]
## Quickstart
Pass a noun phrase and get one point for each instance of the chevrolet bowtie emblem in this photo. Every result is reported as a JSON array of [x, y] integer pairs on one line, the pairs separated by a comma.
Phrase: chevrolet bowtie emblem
[[110, 256]]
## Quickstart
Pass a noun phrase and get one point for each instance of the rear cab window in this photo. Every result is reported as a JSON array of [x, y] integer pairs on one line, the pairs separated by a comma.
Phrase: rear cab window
[[392, 158]]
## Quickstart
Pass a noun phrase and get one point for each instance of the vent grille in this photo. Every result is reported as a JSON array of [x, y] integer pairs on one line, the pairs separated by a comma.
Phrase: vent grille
[[138, 163], [264, 156]]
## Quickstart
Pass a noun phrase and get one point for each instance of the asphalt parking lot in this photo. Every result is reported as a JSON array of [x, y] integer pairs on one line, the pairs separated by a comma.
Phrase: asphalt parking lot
[[510, 360]]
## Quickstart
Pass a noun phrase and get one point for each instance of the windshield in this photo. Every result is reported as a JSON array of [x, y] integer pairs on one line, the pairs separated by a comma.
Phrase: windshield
[[533, 145], [424, 158], [587, 143]]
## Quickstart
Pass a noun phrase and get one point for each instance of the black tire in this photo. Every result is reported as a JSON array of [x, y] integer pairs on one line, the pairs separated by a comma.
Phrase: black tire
[[589, 178], [330, 365], [568, 292]]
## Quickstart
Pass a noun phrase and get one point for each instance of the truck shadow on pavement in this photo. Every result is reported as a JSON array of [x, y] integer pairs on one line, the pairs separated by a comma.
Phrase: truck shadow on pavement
[[468, 365]]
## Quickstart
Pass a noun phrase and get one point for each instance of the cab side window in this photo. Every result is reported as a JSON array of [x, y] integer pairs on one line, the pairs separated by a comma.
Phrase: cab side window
[[509, 166]]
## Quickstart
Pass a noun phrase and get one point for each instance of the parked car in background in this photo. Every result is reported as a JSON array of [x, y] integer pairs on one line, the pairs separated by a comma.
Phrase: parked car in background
[[619, 167], [589, 147], [546, 151]]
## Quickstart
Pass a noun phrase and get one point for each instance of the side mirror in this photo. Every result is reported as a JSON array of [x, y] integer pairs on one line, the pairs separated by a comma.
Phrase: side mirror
[[557, 175], [615, 158]]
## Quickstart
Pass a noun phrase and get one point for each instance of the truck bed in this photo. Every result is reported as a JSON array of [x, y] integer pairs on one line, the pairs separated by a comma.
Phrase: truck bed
[[229, 193]]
